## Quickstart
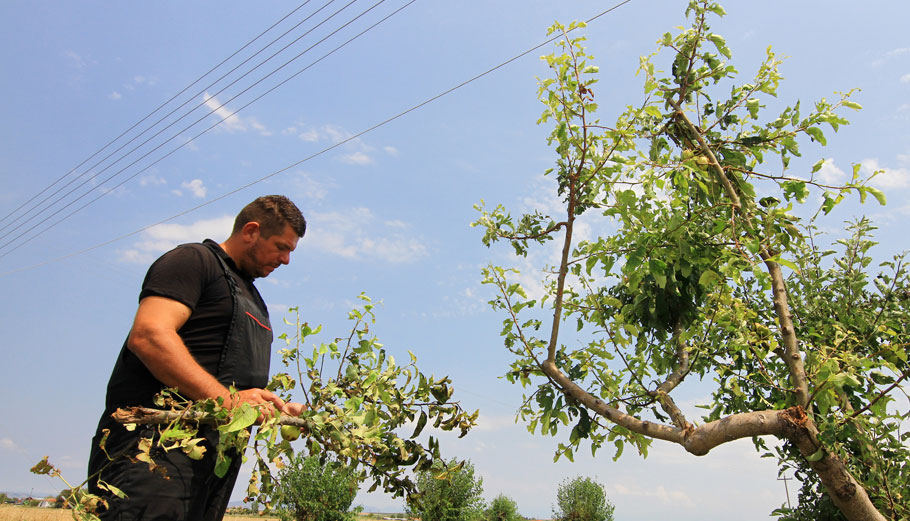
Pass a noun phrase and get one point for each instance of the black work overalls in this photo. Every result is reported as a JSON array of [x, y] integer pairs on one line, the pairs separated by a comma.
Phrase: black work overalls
[[191, 491]]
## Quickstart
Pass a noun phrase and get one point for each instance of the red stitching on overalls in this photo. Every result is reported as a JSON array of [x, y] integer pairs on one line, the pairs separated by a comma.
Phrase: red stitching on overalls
[[257, 321]]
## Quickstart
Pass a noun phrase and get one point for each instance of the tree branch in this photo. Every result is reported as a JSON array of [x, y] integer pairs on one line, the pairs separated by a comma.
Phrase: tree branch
[[673, 380]]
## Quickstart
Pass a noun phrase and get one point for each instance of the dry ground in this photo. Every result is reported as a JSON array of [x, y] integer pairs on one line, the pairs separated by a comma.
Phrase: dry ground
[[20, 513]]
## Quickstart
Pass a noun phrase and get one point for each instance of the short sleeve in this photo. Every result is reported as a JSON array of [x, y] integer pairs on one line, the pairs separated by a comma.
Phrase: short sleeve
[[180, 274]]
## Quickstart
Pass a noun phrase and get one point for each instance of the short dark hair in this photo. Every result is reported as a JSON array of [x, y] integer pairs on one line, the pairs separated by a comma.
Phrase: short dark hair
[[272, 212]]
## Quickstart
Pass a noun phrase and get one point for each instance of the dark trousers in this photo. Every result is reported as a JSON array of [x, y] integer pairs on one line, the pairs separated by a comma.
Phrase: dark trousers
[[187, 491]]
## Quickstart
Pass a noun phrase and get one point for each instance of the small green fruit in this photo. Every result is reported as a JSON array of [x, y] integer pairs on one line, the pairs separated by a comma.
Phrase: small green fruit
[[290, 432]]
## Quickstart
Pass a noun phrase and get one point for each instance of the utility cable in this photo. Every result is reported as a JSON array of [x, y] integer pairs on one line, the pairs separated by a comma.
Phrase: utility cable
[[4, 245], [137, 147], [317, 154], [109, 143]]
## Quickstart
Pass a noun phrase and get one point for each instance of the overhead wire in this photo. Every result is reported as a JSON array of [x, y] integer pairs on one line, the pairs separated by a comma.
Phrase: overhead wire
[[156, 148], [204, 102], [320, 152], [102, 194], [147, 116]]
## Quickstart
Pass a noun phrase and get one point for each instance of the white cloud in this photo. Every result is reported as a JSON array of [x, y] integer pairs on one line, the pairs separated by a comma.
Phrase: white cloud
[[310, 136], [661, 494], [195, 187], [544, 198], [230, 121], [115, 96], [356, 152], [189, 144], [10, 445], [335, 133], [76, 60], [152, 180], [163, 237], [305, 185], [259, 127], [894, 53], [889, 178], [830, 174], [355, 235], [905, 78], [357, 158]]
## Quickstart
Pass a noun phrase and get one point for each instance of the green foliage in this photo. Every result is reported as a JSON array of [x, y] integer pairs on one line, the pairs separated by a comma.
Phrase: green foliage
[[850, 321], [312, 489], [453, 495], [502, 508], [706, 269], [357, 399], [582, 499]]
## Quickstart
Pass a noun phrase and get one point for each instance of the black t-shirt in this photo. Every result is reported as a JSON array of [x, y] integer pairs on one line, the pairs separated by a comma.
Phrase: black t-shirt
[[189, 274]]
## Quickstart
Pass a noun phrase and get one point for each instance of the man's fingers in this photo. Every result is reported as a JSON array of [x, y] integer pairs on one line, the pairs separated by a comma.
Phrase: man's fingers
[[294, 409]]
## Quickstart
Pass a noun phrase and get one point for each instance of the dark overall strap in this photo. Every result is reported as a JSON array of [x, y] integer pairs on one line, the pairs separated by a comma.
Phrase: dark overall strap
[[247, 347]]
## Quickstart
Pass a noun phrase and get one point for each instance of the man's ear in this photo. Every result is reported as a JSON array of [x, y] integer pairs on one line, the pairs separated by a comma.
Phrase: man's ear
[[250, 232]]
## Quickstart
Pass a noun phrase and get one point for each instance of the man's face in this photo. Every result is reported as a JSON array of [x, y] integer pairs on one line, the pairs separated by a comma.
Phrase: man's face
[[266, 254]]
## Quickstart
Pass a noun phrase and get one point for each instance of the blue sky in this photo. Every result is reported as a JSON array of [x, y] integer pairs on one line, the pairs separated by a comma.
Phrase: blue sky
[[388, 211]]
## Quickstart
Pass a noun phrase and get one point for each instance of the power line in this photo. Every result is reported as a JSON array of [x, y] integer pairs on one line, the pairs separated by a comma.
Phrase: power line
[[156, 148], [197, 135], [109, 143], [317, 154], [137, 147]]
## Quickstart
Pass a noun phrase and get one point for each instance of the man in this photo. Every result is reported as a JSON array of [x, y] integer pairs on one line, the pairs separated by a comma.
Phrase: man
[[201, 327]]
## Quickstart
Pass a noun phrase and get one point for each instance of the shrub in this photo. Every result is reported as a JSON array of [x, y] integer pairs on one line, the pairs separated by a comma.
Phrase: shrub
[[582, 499], [456, 497], [316, 489], [502, 508]]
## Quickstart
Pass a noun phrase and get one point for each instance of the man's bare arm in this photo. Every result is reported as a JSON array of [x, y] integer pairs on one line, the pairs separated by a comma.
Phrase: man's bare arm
[[155, 341]]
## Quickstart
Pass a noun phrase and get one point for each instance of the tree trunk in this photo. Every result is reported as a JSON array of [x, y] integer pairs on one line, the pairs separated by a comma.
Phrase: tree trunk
[[790, 424]]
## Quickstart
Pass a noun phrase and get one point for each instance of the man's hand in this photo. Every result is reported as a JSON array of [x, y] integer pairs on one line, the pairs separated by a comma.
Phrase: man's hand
[[294, 408], [268, 403]]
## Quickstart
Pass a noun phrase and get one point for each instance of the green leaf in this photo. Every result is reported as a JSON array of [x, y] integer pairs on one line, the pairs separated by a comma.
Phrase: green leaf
[[708, 278], [421, 423], [853, 105], [222, 465], [104, 485], [818, 165], [817, 135], [817, 455], [752, 106], [720, 44], [789, 264], [651, 110], [243, 417], [878, 194]]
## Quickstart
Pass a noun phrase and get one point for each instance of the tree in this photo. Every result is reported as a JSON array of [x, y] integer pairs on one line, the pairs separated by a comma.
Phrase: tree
[[502, 508], [708, 269], [312, 489], [582, 499], [452, 496]]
